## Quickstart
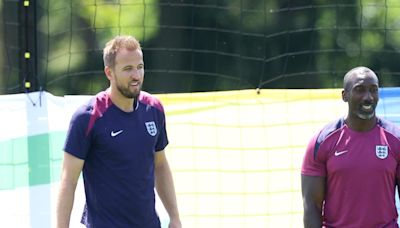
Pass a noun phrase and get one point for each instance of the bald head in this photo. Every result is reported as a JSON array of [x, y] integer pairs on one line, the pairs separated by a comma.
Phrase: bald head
[[360, 71], [360, 91]]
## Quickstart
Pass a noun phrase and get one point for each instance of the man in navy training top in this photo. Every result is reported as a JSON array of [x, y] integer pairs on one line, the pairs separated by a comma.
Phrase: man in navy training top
[[351, 167], [117, 140]]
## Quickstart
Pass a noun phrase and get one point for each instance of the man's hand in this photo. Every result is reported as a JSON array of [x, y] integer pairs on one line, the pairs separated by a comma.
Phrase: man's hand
[[175, 223]]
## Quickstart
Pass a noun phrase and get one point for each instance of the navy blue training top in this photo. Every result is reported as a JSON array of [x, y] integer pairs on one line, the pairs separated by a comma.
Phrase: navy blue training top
[[118, 149]]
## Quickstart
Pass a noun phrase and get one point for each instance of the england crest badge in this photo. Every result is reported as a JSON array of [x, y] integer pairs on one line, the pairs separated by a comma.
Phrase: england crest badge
[[381, 151], [151, 128]]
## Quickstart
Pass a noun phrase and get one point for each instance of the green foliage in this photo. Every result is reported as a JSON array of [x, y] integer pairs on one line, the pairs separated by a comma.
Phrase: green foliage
[[216, 45], [77, 30]]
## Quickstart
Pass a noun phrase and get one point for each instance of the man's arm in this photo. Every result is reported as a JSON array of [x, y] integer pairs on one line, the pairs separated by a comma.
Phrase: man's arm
[[313, 190], [72, 167], [165, 188]]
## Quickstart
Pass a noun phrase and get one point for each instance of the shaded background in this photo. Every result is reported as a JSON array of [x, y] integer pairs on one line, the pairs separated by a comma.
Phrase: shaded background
[[222, 143], [198, 45]]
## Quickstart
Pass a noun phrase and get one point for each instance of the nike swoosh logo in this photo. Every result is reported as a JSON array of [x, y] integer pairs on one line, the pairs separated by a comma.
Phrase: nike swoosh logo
[[338, 153], [113, 134]]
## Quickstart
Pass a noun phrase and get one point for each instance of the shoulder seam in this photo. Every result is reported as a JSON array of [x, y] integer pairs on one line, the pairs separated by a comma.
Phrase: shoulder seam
[[325, 132]]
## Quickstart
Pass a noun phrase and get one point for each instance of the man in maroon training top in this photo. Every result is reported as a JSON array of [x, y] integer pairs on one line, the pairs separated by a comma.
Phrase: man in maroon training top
[[351, 167]]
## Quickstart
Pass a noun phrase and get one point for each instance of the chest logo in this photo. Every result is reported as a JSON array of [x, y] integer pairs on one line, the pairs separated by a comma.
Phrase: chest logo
[[338, 153], [113, 134], [151, 128], [381, 151]]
